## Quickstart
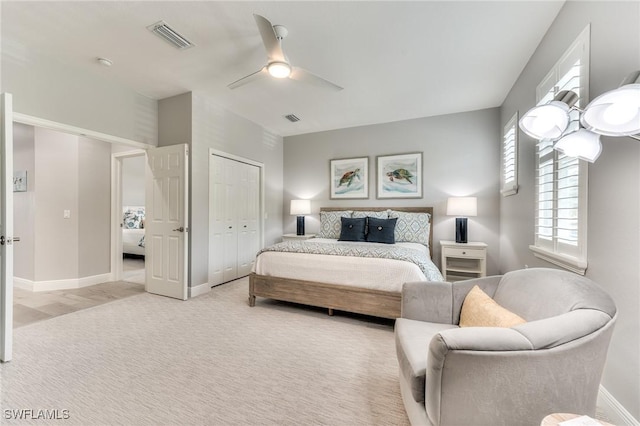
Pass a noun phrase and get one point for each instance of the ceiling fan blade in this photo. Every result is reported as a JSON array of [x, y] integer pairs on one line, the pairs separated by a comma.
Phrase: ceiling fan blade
[[305, 76], [250, 78], [271, 42]]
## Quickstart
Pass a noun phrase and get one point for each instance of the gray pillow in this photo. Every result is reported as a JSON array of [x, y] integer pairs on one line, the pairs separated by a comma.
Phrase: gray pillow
[[352, 229], [381, 230]]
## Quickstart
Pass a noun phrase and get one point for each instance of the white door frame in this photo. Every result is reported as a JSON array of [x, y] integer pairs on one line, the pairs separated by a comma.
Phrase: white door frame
[[116, 209], [6, 228]]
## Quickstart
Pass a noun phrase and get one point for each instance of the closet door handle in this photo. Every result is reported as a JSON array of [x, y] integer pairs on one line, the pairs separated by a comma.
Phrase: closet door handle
[[181, 229]]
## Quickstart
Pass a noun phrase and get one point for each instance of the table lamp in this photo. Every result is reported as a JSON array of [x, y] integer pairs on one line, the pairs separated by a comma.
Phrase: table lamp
[[300, 208], [462, 207]]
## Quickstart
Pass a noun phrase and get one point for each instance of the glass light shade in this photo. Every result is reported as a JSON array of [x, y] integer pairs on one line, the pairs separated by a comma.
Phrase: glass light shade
[[279, 69], [614, 113], [581, 144], [300, 207], [462, 206], [546, 121]]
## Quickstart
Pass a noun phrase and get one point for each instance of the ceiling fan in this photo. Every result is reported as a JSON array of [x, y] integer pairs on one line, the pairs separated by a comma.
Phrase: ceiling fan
[[278, 65]]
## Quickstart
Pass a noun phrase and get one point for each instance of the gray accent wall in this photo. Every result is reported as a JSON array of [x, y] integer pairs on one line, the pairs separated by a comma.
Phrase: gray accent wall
[[614, 181], [24, 202], [197, 120], [460, 158]]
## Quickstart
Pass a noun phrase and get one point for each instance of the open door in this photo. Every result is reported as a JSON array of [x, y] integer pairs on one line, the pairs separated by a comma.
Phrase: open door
[[6, 227], [166, 227]]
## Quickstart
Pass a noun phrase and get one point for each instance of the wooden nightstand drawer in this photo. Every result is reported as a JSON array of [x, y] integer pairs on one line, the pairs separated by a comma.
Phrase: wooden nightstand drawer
[[468, 253]]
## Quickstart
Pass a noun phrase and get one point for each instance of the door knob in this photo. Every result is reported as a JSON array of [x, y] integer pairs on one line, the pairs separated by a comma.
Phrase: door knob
[[181, 229]]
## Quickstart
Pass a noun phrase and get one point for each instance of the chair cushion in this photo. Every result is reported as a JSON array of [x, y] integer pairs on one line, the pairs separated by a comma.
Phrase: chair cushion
[[412, 346], [479, 310]]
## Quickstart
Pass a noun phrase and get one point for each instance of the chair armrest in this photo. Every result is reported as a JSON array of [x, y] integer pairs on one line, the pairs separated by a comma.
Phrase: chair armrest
[[428, 301]]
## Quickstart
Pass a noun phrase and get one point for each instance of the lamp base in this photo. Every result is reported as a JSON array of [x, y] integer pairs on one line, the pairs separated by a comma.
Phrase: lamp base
[[461, 230], [300, 226]]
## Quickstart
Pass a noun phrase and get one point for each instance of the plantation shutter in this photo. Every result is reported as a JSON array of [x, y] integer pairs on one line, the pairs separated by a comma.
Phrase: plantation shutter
[[510, 158], [561, 181]]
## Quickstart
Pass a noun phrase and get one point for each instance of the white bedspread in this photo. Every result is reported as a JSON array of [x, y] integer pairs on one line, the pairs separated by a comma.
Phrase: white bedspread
[[378, 274]]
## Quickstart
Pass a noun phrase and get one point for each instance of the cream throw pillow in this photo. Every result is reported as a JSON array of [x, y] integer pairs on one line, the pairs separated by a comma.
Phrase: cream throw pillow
[[479, 310]]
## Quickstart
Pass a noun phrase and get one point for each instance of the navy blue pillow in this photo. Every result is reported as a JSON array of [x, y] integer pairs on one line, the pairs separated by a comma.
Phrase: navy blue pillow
[[381, 230], [352, 229]]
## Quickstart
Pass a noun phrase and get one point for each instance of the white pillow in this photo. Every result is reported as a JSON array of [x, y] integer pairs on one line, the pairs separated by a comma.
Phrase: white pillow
[[330, 223]]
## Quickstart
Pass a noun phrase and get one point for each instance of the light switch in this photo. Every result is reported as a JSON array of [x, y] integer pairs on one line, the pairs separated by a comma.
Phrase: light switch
[[66, 214]]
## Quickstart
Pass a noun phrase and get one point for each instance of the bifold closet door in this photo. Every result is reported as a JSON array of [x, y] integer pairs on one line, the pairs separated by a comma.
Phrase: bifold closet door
[[234, 202]]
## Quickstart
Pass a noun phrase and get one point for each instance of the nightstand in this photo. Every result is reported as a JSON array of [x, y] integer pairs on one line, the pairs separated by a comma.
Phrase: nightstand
[[292, 237], [461, 261]]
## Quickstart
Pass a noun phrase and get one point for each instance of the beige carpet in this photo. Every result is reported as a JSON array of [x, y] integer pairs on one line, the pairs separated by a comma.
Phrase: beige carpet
[[150, 360]]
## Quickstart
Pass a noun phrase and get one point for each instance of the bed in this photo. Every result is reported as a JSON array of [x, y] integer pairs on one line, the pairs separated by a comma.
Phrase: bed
[[133, 231], [301, 272]]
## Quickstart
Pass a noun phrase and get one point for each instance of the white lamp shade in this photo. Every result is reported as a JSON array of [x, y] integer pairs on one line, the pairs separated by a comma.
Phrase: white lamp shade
[[462, 206], [300, 207], [581, 144], [614, 113], [546, 121]]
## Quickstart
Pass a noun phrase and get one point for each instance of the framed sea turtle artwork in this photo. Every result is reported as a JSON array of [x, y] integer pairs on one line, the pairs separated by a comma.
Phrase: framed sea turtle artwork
[[349, 178], [399, 175]]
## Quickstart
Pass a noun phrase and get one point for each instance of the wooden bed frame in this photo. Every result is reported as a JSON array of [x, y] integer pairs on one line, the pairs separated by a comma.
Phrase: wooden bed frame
[[379, 303]]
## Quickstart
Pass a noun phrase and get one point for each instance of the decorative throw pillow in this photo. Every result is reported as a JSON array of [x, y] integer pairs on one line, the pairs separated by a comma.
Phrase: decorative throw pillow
[[412, 227], [378, 215], [330, 223], [381, 230], [133, 217], [352, 229], [480, 310]]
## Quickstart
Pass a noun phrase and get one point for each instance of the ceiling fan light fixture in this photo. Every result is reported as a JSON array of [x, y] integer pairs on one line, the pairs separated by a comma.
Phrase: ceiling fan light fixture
[[279, 69]]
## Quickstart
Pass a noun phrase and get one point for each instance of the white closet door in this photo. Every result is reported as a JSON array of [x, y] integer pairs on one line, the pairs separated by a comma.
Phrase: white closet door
[[217, 190], [248, 201], [230, 235]]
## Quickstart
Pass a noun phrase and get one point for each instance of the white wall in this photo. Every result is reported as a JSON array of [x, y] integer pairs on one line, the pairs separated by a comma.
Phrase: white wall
[[56, 238], [133, 169], [94, 207], [24, 202], [211, 126], [614, 181], [44, 87], [64, 172], [460, 159]]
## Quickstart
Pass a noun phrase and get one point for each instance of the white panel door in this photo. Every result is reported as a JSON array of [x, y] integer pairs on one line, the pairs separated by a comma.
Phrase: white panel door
[[216, 219], [248, 213], [166, 227], [230, 237], [6, 227]]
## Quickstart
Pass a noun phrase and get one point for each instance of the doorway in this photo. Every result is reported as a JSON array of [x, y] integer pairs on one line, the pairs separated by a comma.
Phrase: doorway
[[128, 216]]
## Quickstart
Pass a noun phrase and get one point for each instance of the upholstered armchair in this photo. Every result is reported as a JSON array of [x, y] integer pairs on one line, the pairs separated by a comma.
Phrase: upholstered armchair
[[551, 362]]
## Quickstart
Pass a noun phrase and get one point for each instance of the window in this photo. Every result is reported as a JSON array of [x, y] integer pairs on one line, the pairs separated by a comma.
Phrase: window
[[510, 157], [561, 181]]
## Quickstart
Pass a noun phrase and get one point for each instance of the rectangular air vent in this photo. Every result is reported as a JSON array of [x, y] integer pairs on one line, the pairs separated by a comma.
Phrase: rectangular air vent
[[292, 118], [163, 30]]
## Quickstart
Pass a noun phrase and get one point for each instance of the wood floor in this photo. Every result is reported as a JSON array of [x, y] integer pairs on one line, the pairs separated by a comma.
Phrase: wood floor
[[30, 307]]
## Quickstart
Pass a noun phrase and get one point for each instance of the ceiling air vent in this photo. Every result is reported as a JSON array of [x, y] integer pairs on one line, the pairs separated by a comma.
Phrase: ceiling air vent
[[164, 31], [292, 118]]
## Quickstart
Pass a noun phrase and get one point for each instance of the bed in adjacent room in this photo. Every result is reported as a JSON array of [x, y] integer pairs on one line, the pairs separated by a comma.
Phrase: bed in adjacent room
[[133, 231], [363, 274]]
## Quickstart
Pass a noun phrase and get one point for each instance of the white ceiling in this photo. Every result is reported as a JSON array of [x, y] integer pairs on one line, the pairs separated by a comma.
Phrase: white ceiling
[[396, 60]]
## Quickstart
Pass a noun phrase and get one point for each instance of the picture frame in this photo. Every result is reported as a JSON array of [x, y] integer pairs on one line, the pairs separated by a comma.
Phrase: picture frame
[[349, 178], [399, 175], [20, 181]]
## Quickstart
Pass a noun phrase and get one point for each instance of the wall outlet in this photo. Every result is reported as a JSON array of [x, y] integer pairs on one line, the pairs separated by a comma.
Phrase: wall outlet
[[66, 214]]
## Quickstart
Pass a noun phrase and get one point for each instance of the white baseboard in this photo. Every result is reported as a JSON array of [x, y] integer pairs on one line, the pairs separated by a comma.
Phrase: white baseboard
[[199, 290], [613, 410], [61, 284]]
